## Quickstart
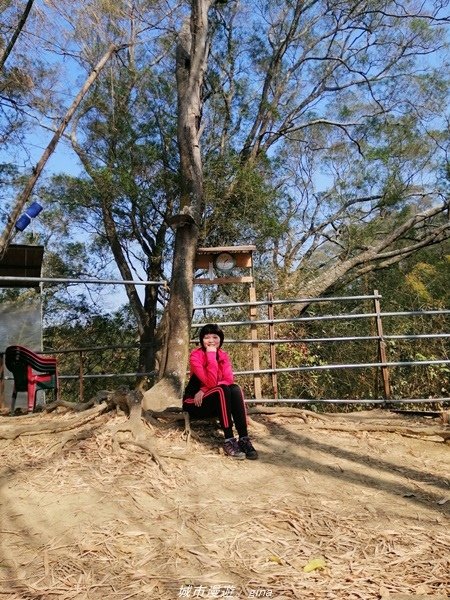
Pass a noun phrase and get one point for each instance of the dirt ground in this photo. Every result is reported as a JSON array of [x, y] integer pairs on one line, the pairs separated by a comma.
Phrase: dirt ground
[[333, 509]]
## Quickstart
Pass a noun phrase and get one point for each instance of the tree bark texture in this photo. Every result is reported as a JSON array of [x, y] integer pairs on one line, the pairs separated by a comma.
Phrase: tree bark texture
[[191, 60]]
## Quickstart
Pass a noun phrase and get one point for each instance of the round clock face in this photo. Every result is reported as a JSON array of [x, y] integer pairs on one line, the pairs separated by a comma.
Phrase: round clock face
[[225, 261]]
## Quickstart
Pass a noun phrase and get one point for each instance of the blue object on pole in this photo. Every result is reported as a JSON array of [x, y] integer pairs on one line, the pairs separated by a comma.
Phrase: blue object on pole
[[23, 222], [33, 210]]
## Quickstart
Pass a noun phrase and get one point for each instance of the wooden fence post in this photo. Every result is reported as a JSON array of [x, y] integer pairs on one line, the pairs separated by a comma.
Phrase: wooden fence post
[[255, 348], [273, 358], [81, 377], [382, 355]]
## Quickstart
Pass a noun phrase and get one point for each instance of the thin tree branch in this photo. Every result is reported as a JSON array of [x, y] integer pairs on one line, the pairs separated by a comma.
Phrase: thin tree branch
[[37, 170], [20, 26]]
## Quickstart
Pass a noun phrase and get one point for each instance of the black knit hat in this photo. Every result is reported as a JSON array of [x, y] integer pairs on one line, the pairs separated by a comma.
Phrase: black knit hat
[[210, 328]]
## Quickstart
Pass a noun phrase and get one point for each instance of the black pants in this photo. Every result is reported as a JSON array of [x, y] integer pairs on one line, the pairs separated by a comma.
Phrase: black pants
[[225, 402]]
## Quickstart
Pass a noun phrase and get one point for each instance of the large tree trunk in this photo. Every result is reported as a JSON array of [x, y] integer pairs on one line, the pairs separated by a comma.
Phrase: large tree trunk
[[192, 53]]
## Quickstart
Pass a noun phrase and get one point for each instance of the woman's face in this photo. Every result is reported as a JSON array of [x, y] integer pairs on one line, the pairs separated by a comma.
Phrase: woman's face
[[211, 340]]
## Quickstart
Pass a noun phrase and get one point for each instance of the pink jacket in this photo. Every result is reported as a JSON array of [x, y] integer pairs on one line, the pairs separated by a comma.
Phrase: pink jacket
[[212, 369]]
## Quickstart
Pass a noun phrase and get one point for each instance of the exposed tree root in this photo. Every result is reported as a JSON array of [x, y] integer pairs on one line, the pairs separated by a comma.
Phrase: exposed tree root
[[77, 436], [33, 428], [444, 434], [162, 396], [330, 425], [135, 425], [172, 414], [187, 433], [136, 428], [120, 400], [75, 406], [148, 447], [287, 412], [101, 396]]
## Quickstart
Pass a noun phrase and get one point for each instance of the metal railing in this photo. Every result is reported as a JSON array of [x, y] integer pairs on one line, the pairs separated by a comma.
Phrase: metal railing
[[81, 376], [383, 365]]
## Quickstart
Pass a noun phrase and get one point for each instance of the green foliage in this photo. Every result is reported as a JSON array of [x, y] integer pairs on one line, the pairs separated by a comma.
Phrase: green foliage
[[420, 282], [245, 212], [100, 345], [323, 131]]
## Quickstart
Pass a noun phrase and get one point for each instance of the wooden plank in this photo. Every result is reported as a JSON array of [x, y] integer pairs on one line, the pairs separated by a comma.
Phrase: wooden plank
[[221, 280], [203, 261], [21, 260], [231, 249]]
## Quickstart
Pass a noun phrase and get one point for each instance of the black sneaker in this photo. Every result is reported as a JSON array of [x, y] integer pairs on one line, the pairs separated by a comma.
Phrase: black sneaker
[[246, 446], [231, 449]]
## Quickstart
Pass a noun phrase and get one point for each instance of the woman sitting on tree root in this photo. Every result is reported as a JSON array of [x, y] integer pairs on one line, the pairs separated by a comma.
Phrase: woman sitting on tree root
[[211, 392]]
